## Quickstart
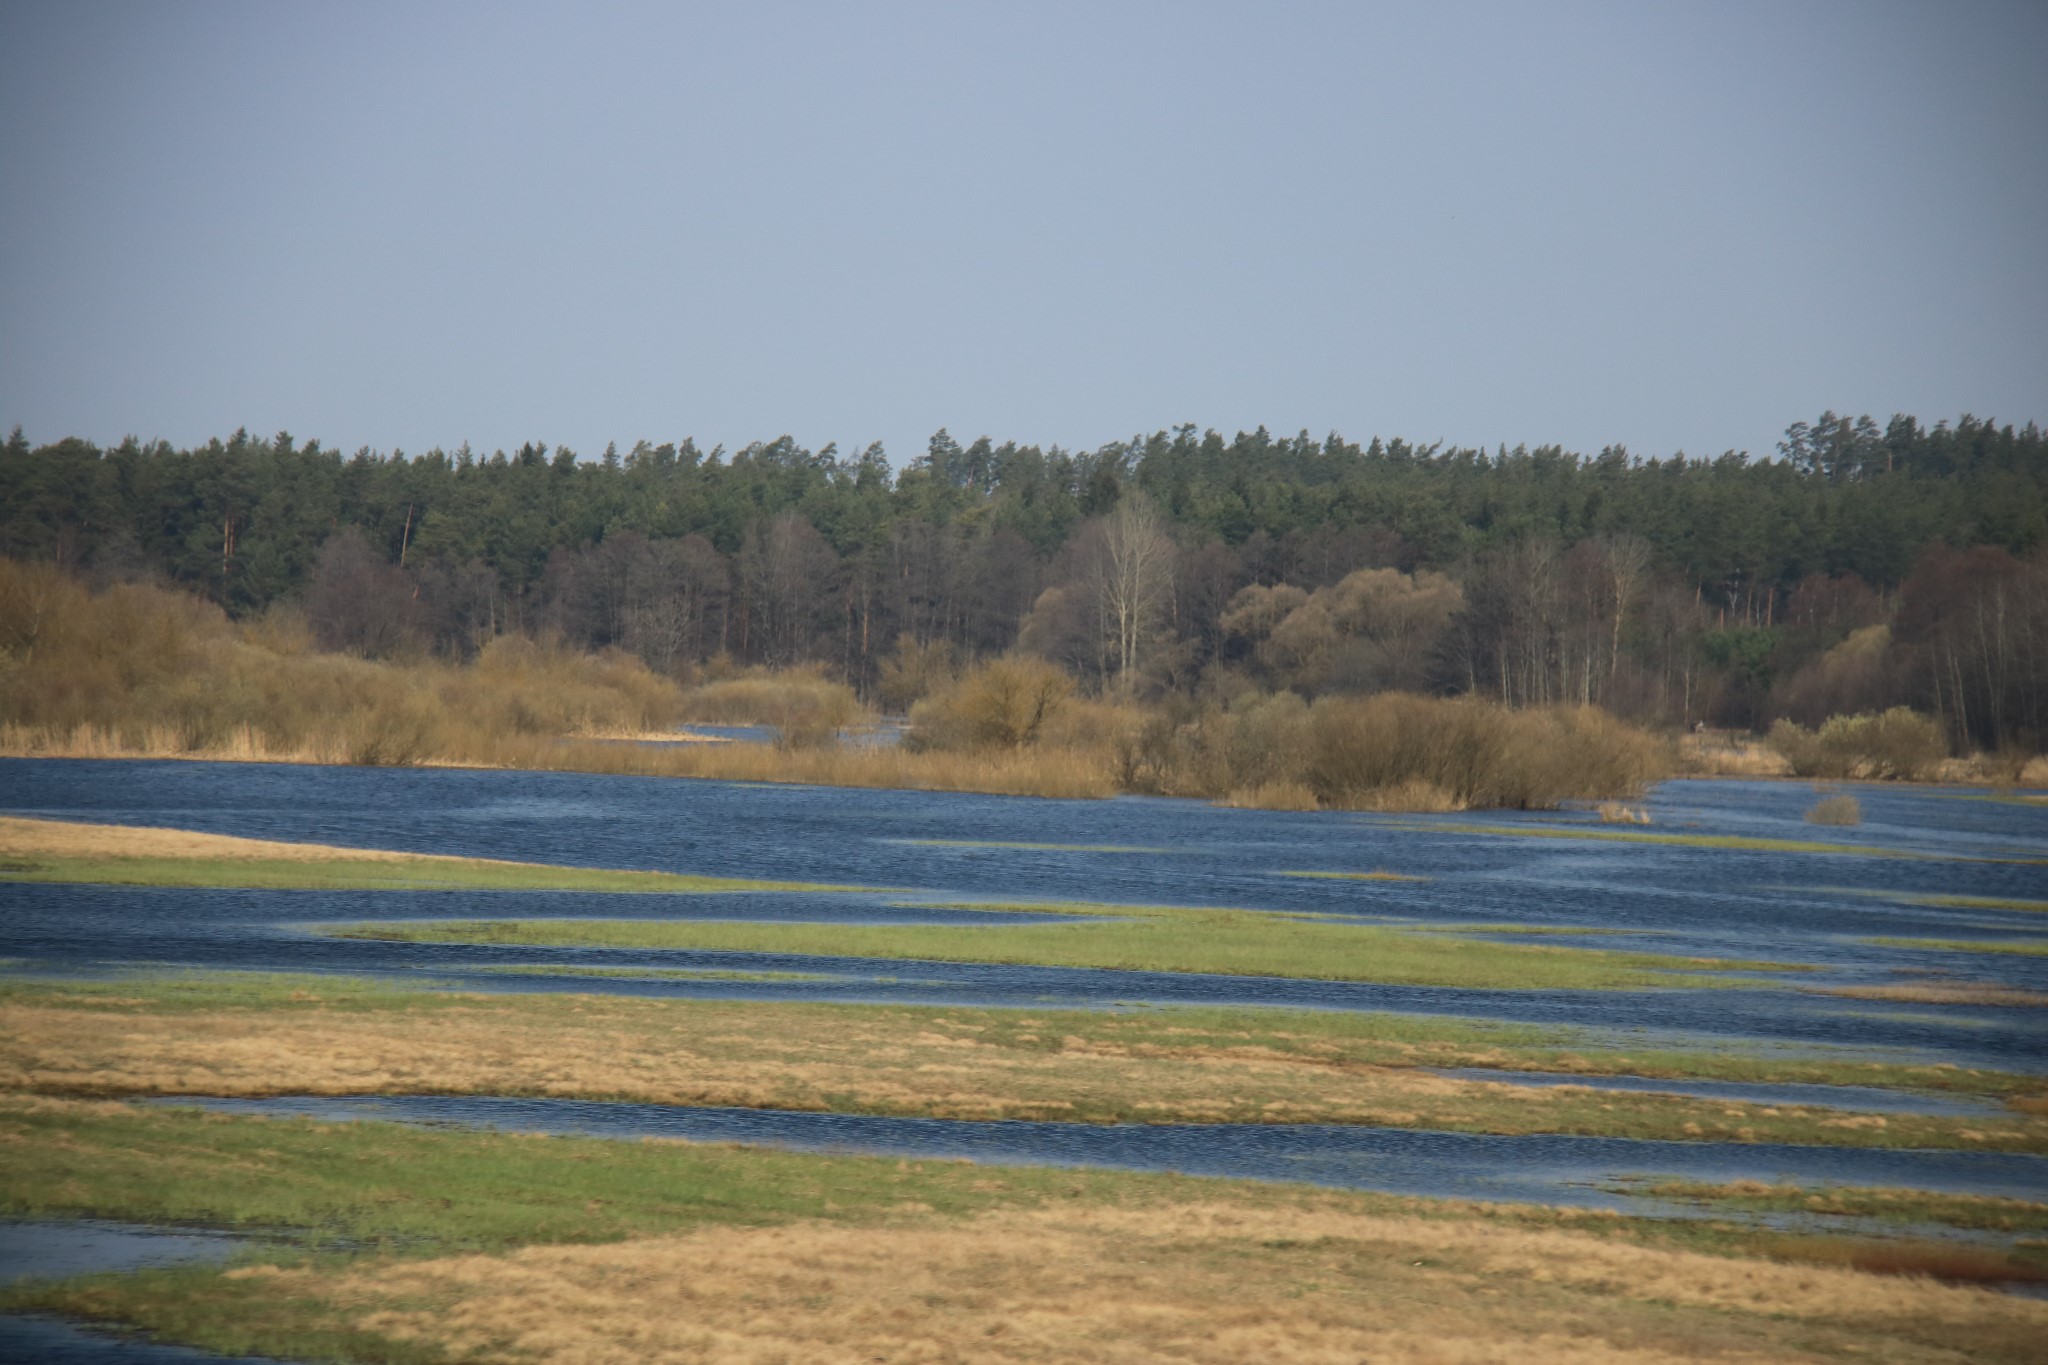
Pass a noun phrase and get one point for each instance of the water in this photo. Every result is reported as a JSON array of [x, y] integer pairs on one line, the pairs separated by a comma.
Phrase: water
[[1792, 907], [83, 1246], [1542, 1168], [47, 1341], [60, 1249]]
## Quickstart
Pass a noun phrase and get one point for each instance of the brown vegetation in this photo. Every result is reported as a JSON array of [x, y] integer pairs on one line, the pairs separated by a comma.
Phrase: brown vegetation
[[1956, 993], [1897, 744], [806, 708], [1186, 1283], [1839, 809], [882, 1060]]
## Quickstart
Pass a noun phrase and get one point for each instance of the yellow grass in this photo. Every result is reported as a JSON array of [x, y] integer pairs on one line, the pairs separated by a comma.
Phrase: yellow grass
[[65, 851], [1727, 754], [884, 1060], [1214, 1283], [76, 839]]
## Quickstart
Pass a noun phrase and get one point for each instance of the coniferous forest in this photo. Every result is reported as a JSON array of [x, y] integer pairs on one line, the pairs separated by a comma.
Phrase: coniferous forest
[[1861, 567]]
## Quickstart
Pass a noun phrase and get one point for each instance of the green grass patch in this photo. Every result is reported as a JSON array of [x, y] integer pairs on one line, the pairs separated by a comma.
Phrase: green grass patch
[[395, 1187], [1139, 938], [1977, 1213], [377, 874], [2017, 947]]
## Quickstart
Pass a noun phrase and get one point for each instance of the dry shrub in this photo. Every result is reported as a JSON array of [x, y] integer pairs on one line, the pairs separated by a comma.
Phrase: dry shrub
[[1002, 703], [1841, 809], [1896, 744], [913, 672], [806, 708], [1470, 753], [141, 670]]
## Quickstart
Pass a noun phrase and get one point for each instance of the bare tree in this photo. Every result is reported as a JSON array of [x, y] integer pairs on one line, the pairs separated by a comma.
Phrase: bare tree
[[1134, 582]]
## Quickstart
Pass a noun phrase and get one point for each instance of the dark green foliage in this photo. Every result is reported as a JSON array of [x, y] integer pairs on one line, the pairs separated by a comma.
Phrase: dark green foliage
[[777, 554]]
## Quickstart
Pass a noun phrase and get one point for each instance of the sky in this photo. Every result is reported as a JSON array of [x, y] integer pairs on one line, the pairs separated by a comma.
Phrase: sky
[[1668, 226]]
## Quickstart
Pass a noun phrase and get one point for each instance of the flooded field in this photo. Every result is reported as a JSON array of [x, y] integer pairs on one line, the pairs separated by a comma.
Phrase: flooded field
[[1725, 870], [1909, 945]]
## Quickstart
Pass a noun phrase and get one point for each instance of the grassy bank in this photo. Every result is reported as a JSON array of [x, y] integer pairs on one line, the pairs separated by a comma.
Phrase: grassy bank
[[1131, 938], [123, 855], [232, 1035], [467, 1246]]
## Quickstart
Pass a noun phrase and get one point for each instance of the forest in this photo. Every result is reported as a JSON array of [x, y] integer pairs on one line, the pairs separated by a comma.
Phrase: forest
[[1860, 568]]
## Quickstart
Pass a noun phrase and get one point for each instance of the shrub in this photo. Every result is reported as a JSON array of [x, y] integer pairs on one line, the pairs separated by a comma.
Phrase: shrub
[[1897, 744], [1468, 753], [1003, 703], [1835, 810], [806, 708]]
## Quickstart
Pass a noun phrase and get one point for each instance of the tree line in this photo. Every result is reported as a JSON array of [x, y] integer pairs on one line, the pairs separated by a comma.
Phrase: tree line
[[1864, 567]]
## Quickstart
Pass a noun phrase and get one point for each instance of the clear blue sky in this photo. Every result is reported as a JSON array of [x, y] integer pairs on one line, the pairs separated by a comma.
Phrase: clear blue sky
[[1672, 226]]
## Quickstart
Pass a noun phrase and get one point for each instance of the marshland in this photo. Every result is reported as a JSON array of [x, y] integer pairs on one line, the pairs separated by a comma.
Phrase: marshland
[[962, 942], [444, 1050]]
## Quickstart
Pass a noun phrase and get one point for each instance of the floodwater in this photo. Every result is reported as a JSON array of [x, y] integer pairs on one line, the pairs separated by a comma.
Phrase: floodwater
[[1886, 878], [60, 1249], [1817, 909]]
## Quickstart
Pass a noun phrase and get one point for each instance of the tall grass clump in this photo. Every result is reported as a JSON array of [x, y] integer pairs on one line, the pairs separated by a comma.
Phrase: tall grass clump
[[141, 670], [1898, 744], [1841, 809]]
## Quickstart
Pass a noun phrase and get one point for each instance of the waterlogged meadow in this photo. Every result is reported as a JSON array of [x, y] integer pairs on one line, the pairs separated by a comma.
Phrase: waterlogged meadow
[[459, 1039]]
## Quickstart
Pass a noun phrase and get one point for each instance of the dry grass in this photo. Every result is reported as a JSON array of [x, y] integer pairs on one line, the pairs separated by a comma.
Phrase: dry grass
[[66, 851], [1727, 754], [1191, 1284], [926, 1062], [73, 839], [1280, 795], [1840, 809]]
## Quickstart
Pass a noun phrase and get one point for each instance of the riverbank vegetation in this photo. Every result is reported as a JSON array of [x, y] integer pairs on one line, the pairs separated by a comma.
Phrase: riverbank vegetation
[[1179, 596], [398, 1245]]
